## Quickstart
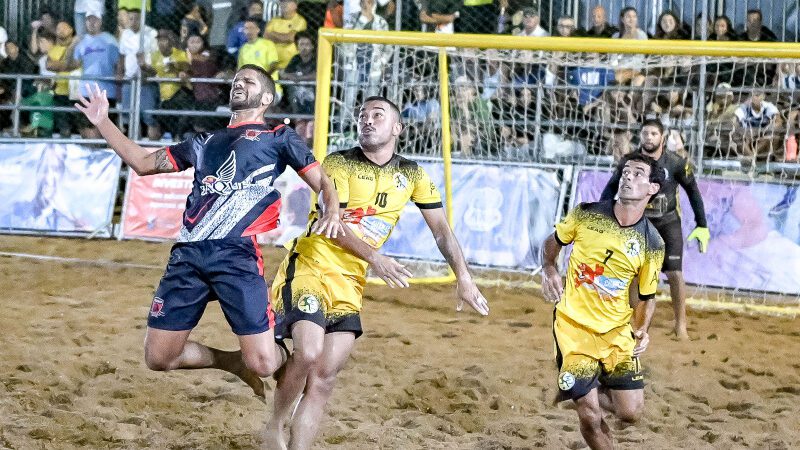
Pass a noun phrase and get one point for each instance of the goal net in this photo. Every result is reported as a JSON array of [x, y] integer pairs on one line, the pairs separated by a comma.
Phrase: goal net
[[554, 115]]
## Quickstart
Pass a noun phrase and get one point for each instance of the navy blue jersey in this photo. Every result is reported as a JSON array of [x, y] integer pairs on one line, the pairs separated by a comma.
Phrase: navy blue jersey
[[232, 193]]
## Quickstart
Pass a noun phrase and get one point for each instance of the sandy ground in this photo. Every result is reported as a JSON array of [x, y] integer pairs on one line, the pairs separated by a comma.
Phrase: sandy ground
[[423, 376]]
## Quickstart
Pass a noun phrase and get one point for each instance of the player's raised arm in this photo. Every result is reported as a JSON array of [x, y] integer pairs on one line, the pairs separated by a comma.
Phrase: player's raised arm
[[142, 161], [448, 244], [330, 224]]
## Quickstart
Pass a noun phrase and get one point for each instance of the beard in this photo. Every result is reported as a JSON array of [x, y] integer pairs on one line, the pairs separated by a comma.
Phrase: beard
[[649, 148], [246, 102]]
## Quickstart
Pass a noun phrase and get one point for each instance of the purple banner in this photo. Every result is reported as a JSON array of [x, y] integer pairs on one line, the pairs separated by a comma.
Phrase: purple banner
[[755, 233]]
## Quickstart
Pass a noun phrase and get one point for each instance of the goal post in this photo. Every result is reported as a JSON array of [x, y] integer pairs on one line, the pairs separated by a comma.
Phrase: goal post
[[445, 58]]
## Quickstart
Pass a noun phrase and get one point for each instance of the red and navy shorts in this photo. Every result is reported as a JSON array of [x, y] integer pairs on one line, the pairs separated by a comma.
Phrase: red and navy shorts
[[230, 270]]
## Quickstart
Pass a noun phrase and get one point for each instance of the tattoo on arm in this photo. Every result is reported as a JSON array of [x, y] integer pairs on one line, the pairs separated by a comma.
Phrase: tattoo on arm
[[163, 164]]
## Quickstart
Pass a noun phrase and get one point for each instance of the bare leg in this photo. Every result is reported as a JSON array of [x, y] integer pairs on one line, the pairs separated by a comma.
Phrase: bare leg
[[677, 290], [309, 341], [594, 429], [628, 404], [319, 387]]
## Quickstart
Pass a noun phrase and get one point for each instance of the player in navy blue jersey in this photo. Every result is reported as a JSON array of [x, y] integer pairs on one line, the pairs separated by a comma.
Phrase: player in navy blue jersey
[[216, 256]]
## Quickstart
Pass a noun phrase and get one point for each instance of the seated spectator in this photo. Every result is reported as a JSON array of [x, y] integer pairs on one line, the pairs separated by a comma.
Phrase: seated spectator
[[566, 26], [196, 21], [46, 21], [720, 122], [422, 108], [755, 30], [530, 24], [16, 62], [281, 31], [57, 61], [590, 82], [202, 64], [236, 37], [168, 62], [600, 26], [631, 66], [756, 128], [697, 33], [128, 67], [669, 26], [438, 16], [41, 123], [302, 67], [723, 30], [84, 8], [472, 119], [96, 54]]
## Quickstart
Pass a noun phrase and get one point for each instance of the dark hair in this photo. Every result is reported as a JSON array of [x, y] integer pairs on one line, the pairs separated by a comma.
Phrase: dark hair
[[755, 11], [134, 10], [731, 33], [46, 11], [380, 98], [256, 20], [656, 174], [46, 34], [266, 80], [622, 16], [305, 35], [653, 123], [678, 33]]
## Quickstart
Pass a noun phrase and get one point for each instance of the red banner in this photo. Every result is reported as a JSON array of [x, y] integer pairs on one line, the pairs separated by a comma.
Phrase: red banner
[[154, 205]]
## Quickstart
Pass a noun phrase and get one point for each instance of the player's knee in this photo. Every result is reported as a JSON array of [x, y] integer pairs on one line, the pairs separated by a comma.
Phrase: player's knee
[[157, 361], [591, 420], [322, 382], [674, 275], [261, 364], [308, 355], [631, 413]]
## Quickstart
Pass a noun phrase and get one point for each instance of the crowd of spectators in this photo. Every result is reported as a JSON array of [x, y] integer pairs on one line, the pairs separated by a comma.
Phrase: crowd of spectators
[[597, 100]]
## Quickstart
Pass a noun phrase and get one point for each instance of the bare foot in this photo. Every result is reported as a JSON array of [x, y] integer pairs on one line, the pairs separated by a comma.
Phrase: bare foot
[[252, 380], [273, 437], [680, 334], [232, 362]]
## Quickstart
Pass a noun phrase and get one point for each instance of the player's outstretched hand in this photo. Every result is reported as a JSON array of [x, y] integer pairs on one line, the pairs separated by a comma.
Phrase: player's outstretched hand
[[468, 293], [329, 225], [95, 108], [390, 271], [552, 286], [642, 341]]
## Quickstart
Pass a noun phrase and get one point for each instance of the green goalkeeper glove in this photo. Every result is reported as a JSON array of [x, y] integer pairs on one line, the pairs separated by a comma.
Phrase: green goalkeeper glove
[[702, 235]]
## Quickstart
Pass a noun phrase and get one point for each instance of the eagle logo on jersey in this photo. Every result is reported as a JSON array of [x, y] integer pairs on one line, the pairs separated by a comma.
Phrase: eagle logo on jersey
[[221, 183]]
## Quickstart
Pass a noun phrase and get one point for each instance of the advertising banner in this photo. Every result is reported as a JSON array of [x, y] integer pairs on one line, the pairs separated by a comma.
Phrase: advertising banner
[[502, 214], [755, 233], [57, 189], [154, 206]]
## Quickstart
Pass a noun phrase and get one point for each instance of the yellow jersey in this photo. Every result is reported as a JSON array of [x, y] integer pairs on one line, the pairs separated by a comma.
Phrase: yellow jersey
[[373, 197], [59, 53], [605, 259], [280, 25], [262, 53], [168, 89]]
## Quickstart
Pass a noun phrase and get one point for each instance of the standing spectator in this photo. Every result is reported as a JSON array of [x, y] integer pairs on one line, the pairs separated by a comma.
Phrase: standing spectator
[[16, 62], [758, 120], [530, 24], [600, 26], [207, 96], [83, 8], [281, 31], [478, 16], [302, 67], [96, 54], [128, 65], [236, 37], [755, 30], [669, 26], [168, 62], [57, 61], [438, 15], [123, 23], [46, 21]]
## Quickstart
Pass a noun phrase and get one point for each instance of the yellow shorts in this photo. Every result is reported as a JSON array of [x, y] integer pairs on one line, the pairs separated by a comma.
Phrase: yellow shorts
[[587, 359], [304, 289]]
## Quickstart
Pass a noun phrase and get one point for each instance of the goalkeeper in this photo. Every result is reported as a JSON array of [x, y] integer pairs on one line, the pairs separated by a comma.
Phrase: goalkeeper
[[663, 211]]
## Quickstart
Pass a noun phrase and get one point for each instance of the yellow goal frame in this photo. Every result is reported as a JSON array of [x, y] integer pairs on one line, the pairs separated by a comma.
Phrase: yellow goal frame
[[327, 37]]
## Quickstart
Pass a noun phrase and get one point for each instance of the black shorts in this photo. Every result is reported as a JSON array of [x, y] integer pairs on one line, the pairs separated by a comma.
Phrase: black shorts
[[230, 270], [672, 234]]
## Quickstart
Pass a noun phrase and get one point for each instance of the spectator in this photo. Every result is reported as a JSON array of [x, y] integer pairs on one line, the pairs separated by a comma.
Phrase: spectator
[[3, 40], [720, 121], [632, 65], [123, 23], [46, 21], [207, 96], [590, 81], [302, 67], [236, 37], [530, 24], [132, 55], [334, 14], [698, 28], [196, 21], [723, 30], [41, 123], [788, 81], [57, 61], [439, 15], [281, 31], [477, 16], [133, 5], [422, 108], [600, 26], [83, 8], [565, 26], [669, 26], [168, 14], [364, 63], [261, 52], [758, 120], [472, 119], [16, 62], [755, 30], [168, 62], [96, 54]]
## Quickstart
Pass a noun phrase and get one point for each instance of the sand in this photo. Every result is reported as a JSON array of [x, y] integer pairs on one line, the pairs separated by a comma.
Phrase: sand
[[422, 376]]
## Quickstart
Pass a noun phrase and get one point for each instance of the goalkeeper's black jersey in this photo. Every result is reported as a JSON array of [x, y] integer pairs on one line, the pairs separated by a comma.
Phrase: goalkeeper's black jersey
[[664, 206]]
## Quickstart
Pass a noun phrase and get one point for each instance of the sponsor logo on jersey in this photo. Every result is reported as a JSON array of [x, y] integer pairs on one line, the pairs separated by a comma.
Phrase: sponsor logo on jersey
[[400, 180], [252, 135], [222, 182], [156, 309], [308, 304], [565, 381], [633, 248]]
